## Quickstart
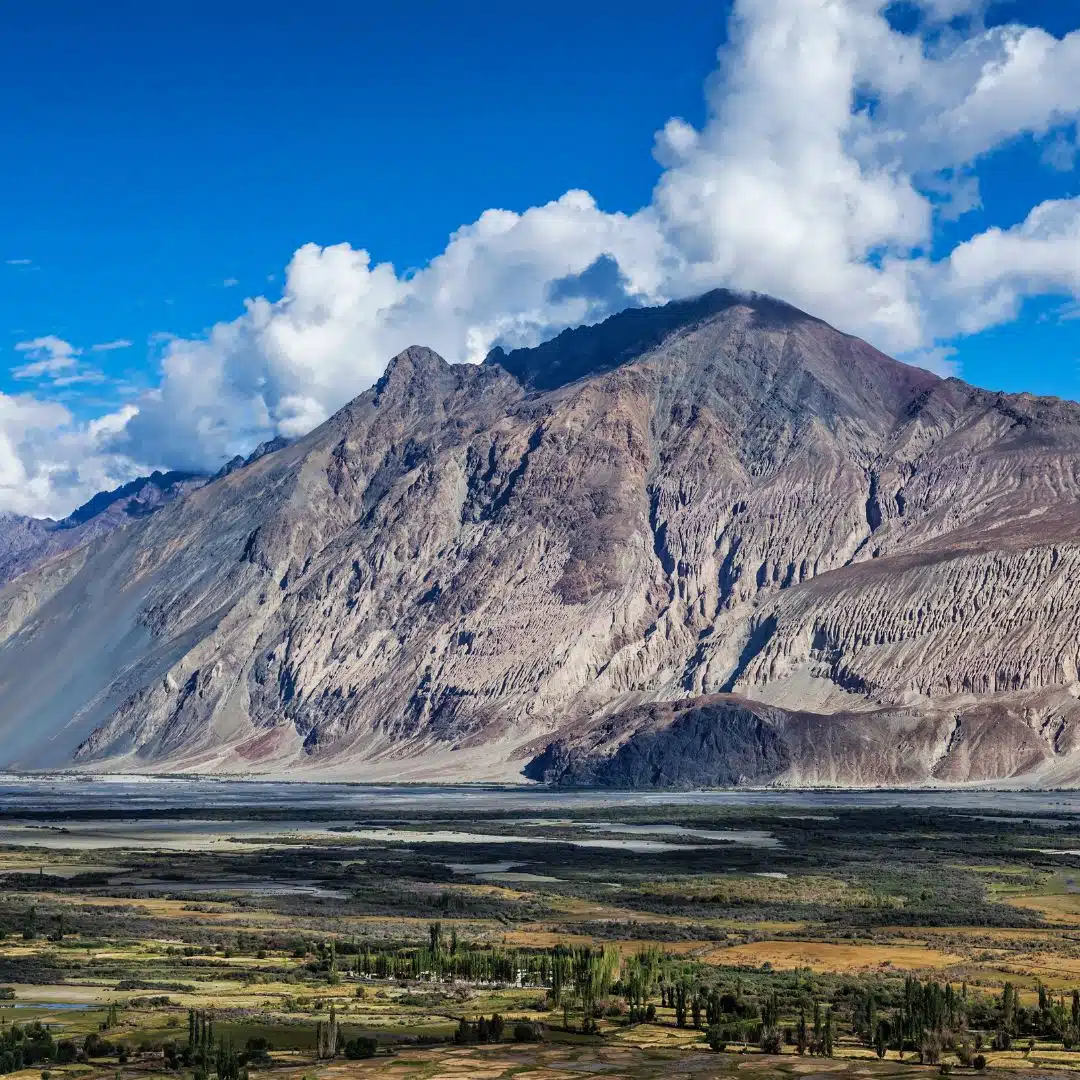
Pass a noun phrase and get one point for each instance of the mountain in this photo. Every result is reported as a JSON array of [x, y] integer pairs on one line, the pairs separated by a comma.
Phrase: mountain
[[26, 542], [715, 542]]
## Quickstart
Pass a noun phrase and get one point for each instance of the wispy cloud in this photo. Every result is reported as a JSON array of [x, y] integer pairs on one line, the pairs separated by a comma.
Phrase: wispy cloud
[[111, 346], [55, 363], [87, 376], [229, 282], [48, 356], [18, 262]]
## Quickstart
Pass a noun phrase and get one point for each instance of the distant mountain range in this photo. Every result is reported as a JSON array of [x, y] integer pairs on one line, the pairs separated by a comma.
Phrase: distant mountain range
[[26, 542], [717, 542]]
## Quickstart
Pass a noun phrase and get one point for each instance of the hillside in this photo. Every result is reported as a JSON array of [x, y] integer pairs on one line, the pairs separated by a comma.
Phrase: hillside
[[719, 531]]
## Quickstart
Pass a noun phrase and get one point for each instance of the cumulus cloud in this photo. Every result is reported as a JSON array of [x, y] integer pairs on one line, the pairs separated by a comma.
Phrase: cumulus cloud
[[50, 462], [833, 146], [991, 274]]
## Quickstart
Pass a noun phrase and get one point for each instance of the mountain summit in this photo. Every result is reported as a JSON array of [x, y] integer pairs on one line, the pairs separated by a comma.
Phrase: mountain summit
[[713, 542]]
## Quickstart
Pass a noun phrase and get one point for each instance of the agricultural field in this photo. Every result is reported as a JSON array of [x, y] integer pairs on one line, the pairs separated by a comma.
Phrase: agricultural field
[[201, 930]]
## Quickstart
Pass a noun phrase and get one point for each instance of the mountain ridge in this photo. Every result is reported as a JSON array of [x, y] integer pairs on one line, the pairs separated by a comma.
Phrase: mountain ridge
[[471, 567], [26, 542]]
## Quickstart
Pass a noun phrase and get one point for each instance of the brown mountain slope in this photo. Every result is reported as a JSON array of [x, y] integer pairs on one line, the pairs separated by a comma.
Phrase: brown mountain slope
[[467, 564]]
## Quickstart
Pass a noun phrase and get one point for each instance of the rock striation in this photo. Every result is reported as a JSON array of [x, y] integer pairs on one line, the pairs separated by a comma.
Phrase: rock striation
[[717, 542]]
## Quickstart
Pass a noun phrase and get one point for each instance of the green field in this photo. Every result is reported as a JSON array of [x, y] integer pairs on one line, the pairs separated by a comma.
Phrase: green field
[[616, 940]]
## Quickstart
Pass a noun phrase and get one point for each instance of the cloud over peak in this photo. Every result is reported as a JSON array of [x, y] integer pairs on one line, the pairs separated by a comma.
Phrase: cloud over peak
[[835, 145]]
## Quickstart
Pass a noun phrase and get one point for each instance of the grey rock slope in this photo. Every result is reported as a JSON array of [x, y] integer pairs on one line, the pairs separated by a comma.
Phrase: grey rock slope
[[26, 542], [719, 525]]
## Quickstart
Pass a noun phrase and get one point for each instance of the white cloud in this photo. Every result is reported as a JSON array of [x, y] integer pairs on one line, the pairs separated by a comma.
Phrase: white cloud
[[794, 187], [833, 146], [229, 282], [111, 346], [48, 355], [49, 462], [1060, 152], [990, 275], [18, 262]]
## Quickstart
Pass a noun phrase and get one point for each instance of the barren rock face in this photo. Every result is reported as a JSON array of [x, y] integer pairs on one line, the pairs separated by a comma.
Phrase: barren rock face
[[865, 574], [27, 542]]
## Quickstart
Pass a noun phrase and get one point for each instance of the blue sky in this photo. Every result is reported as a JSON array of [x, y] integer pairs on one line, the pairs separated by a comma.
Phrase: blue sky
[[166, 162], [154, 155]]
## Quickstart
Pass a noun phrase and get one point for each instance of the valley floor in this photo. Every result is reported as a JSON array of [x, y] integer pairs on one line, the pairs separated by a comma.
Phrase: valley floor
[[404, 917]]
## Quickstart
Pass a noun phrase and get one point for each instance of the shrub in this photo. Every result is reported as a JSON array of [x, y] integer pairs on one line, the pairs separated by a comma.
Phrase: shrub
[[527, 1032], [717, 1038], [770, 1042], [979, 1063], [256, 1051], [930, 1050], [360, 1047], [96, 1047]]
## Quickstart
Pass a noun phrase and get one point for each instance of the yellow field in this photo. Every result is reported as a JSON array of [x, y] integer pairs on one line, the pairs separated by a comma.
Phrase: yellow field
[[1063, 908], [830, 956]]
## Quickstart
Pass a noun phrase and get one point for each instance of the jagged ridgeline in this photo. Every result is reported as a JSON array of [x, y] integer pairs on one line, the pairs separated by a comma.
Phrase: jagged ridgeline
[[717, 542]]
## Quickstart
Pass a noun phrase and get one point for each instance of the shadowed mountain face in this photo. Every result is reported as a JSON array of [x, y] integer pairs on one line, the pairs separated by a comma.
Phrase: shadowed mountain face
[[715, 542]]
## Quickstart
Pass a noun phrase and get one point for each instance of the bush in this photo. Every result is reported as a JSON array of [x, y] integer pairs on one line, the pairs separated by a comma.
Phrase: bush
[[524, 1032], [979, 1063], [945, 1069], [930, 1050], [97, 1047], [360, 1047], [256, 1051], [171, 1054], [717, 1038], [770, 1041]]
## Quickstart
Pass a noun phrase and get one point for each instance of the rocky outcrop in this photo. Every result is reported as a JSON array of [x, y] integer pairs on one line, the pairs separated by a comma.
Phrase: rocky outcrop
[[720, 526], [703, 742], [725, 741]]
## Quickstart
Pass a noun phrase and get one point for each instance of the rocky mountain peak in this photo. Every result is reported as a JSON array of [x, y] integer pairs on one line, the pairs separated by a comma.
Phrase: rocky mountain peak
[[720, 532], [412, 368], [591, 350]]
